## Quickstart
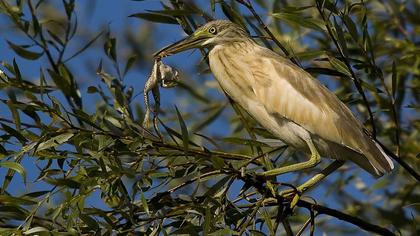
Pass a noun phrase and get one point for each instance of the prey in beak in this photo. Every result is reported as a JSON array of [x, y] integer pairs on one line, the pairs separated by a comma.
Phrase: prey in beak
[[196, 40]]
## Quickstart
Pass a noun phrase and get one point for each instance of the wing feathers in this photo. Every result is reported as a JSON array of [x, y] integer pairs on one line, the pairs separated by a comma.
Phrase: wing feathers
[[290, 91]]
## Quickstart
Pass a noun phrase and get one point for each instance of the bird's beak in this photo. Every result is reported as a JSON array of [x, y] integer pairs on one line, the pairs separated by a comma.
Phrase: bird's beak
[[195, 40]]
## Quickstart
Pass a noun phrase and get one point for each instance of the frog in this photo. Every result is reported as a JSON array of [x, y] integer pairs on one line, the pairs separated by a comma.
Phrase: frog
[[161, 76]]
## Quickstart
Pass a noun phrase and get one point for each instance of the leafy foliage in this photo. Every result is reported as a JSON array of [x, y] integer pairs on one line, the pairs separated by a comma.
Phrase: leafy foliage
[[103, 173]]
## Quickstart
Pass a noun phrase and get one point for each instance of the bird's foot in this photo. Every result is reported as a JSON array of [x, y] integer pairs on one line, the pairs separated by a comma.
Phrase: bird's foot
[[293, 195]]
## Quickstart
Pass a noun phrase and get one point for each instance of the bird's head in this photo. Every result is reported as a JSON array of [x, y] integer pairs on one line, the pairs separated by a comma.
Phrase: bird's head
[[213, 33]]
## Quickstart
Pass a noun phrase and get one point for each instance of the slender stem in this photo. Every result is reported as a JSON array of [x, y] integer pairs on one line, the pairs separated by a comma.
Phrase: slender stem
[[248, 5], [354, 78]]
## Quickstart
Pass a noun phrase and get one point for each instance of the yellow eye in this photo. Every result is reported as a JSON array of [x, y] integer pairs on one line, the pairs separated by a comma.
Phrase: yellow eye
[[212, 30]]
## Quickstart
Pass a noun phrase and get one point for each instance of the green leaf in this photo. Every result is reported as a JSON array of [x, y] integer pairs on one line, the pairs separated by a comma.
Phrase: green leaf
[[370, 87], [207, 221], [63, 182], [242, 141], [233, 15], [130, 62], [351, 27], [36, 194], [36, 231], [174, 12], [268, 221], [55, 141], [15, 113], [158, 18], [144, 203], [341, 38], [310, 54], [110, 48], [14, 133], [15, 167], [21, 51], [89, 221], [298, 19], [212, 5], [218, 163], [218, 186], [92, 89], [339, 66], [184, 130], [10, 200], [16, 70]]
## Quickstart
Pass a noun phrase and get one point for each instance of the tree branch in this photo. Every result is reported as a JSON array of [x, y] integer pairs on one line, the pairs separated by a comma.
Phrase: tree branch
[[345, 217], [279, 200]]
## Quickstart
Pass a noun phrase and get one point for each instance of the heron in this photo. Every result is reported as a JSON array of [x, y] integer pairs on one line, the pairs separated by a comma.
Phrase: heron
[[286, 100]]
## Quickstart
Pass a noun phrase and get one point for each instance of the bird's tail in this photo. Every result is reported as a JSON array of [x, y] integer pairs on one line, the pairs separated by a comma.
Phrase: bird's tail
[[380, 162]]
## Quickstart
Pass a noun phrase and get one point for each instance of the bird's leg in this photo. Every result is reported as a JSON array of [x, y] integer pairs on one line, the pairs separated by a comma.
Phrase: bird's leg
[[315, 179], [313, 161]]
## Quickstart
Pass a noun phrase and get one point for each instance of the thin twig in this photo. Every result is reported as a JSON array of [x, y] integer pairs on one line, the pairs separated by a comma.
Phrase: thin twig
[[354, 78], [248, 5]]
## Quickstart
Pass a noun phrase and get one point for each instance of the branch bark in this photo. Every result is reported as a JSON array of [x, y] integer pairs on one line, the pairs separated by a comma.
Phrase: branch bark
[[345, 217]]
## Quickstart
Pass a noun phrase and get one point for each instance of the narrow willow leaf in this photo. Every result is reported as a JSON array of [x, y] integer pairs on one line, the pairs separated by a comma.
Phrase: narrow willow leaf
[[339, 66], [351, 27], [89, 221], [16, 70], [15, 114], [110, 48], [92, 89], [10, 200], [207, 221], [323, 71], [144, 203], [63, 182], [3, 151], [36, 194], [184, 130], [370, 87], [218, 163], [130, 62], [14, 133], [268, 221], [37, 231], [310, 54], [55, 37], [297, 19], [15, 167], [21, 51], [245, 142], [218, 186], [341, 38], [55, 141], [233, 15], [175, 12], [158, 18], [61, 83], [212, 5]]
